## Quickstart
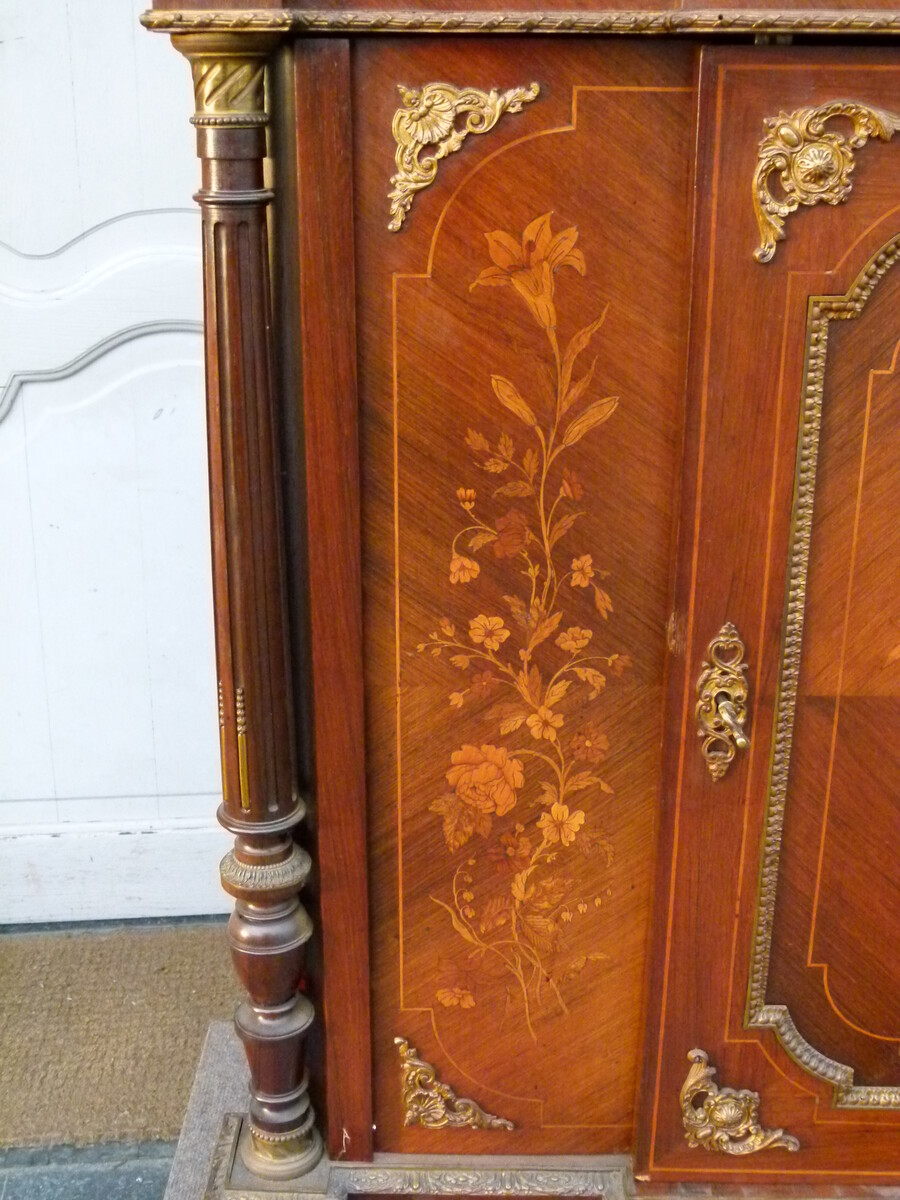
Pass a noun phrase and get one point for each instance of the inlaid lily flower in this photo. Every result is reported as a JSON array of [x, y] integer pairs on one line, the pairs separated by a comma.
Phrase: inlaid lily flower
[[531, 266]]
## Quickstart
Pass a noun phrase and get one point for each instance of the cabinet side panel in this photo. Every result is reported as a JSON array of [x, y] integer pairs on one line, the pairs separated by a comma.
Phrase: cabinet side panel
[[521, 349], [322, 356]]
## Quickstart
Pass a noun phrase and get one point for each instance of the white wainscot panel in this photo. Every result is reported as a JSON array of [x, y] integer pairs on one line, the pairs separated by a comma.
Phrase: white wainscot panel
[[109, 711], [139, 268], [105, 872], [98, 104]]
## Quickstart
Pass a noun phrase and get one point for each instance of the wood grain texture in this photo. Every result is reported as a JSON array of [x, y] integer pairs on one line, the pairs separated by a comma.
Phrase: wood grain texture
[[328, 353], [745, 382], [429, 345]]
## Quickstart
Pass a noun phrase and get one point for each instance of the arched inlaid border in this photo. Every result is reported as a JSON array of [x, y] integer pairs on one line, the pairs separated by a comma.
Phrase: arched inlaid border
[[759, 1014]]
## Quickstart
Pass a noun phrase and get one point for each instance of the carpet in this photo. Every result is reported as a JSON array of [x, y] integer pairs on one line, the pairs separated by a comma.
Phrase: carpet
[[101, 1030]]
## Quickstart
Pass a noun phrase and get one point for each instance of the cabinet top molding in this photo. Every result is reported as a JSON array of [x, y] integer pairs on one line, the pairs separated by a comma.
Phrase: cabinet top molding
[[347, 19]]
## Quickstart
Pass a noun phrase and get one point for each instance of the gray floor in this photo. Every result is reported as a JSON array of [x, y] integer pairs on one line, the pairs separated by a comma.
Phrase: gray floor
[[109, 1171], [140, 1170]]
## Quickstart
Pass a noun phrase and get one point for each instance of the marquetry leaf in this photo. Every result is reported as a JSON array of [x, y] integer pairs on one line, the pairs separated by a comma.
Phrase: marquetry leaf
[[517, 487], [549, 794], [531, 681], [477, 442], [509, 397], [577, 390], [582, 780], [575, 967], [557, 691], [458, 925], [551, 892], [594, 679], [495, 913], [562, 527], [539, 930], [602, 602], [595, 414], [518, 608], [543, 629], [578, 343]]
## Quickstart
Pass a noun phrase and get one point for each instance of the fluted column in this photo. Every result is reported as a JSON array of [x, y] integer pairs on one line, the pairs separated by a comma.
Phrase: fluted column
[[261, 807]]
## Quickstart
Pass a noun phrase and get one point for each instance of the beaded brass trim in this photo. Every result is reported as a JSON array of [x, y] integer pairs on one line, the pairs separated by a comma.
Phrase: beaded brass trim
[[759, 1014], [435, 1105], [750, 20], [725, 1121]]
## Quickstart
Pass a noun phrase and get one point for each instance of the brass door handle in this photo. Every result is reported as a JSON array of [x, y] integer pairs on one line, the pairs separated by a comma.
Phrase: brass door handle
[[722, 703]]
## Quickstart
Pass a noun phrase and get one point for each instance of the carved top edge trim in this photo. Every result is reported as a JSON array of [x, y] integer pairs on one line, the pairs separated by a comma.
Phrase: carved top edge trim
[[313, 20]]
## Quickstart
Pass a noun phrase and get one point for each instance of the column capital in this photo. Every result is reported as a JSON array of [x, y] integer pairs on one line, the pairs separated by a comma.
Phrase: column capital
[[229, 72]]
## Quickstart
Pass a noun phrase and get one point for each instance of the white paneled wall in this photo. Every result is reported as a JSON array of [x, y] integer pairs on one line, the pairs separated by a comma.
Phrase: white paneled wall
[[109, 775]]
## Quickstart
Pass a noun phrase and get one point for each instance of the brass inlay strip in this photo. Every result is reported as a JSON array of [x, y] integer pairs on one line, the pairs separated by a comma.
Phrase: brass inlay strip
[[813, 164], [241, 714], [725, 1121], [427, 121], [759, 1014], [435, 1105], [222, 744], [331, 20]]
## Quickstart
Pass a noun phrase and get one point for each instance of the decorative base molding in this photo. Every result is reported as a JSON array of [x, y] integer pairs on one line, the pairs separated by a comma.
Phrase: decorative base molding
[[423, 1175]]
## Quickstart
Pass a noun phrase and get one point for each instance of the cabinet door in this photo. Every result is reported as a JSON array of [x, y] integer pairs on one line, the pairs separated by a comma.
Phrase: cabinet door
[[774, 1023], [522, 344]]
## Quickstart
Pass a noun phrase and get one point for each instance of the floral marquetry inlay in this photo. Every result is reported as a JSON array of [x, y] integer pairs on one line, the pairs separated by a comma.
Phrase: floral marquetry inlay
[[520, 807]]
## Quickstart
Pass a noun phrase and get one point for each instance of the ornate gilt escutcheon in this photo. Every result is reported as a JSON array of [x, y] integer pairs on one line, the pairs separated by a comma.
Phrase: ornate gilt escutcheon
[[435, 1105], [813, 164], [722, 703], [427, 121], [724, 1120]]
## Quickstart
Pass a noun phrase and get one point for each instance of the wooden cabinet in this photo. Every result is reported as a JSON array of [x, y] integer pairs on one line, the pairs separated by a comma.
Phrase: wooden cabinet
[[553, 479]]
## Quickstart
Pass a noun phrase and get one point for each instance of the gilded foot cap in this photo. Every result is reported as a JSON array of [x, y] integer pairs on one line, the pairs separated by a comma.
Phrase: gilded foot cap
[[280, 1156]]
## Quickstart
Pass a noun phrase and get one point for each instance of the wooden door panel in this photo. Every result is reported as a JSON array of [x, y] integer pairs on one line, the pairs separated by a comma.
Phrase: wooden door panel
[[841, 843], [777, 931], [522, 343]]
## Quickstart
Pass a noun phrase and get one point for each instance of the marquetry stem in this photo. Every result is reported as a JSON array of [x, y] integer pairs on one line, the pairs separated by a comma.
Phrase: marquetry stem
[[266, 870]]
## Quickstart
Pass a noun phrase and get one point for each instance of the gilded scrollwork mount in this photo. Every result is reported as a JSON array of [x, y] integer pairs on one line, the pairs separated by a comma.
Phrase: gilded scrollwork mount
[[428, 122], [434, 1105], [812, 164], [723, 1119]]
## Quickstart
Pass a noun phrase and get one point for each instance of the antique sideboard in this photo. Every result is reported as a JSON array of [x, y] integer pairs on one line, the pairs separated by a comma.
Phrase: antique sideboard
[[554, 444]]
